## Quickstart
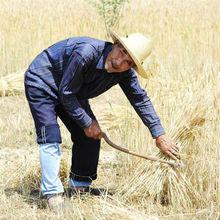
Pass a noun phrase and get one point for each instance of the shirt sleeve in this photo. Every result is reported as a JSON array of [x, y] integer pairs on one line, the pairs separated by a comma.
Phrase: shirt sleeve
[[70, 84], [141, 103], [85, 104]]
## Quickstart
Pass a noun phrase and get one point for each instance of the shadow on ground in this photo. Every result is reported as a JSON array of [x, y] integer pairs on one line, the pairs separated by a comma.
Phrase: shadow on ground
[[33, 197]]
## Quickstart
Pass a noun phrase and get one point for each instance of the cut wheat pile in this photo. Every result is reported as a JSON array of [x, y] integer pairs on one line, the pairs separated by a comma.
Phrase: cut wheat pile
[[12, 84], [168, 185]]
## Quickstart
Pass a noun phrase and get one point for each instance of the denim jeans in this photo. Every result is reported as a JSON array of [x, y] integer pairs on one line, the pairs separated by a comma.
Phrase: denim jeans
[[85, 151], [50, 155]]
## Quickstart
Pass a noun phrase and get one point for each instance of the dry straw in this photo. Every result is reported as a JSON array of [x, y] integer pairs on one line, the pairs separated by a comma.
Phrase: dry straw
[[12, 84], [187, 48], [30, 181], [163, 183]]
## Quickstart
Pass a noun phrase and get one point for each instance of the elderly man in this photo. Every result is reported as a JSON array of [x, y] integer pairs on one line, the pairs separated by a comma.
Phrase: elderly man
[[59, 82]]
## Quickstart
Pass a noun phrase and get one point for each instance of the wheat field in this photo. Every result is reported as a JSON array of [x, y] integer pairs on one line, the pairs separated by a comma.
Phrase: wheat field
[[184, 88]]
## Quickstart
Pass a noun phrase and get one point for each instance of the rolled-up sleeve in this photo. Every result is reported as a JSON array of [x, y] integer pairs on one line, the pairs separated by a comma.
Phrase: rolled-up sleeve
[[70, 84], [141, 103]]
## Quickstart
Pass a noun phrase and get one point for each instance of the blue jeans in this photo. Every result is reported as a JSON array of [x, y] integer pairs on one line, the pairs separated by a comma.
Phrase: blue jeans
[[50, 156], [85, 151]]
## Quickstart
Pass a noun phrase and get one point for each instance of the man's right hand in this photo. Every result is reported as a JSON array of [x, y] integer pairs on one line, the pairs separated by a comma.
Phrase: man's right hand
[[93, 131]]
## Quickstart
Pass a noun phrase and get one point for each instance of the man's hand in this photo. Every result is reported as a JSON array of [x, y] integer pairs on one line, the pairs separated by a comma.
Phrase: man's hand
[[93, 131], [167, 146]]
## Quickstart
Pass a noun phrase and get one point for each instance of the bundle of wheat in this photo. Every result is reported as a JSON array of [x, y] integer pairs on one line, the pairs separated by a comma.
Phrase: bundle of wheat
[[166, 184], [12, 84]]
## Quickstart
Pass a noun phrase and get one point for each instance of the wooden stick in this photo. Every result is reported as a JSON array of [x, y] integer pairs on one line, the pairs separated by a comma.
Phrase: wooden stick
[[125, 150]]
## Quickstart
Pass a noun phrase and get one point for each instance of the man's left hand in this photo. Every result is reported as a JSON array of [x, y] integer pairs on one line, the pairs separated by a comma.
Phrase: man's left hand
[[167, 146]]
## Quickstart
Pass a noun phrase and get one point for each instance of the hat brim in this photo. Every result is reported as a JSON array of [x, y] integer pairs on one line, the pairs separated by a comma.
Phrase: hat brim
[[139, 68]]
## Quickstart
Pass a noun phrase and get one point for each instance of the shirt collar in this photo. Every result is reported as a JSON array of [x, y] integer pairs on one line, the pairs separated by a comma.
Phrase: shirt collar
[[101, 62]]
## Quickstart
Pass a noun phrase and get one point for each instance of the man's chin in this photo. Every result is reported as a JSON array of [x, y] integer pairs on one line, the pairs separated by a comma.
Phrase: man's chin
[[110, 71], [109, 66]]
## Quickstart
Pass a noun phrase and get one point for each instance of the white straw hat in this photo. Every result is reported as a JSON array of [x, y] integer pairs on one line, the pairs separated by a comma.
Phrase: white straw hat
[[139, 48]]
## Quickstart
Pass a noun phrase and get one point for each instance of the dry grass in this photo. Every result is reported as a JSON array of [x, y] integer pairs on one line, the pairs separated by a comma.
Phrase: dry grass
[[12, 84], [184, 89]]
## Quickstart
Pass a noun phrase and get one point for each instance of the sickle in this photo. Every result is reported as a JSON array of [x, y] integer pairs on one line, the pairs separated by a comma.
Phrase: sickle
[[173, 164]]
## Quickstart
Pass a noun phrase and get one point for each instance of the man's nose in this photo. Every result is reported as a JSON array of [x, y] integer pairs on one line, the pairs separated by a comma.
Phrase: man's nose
[[119, 61]]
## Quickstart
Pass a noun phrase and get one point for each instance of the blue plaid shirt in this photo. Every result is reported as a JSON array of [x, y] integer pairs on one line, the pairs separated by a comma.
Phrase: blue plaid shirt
[[73, 70]]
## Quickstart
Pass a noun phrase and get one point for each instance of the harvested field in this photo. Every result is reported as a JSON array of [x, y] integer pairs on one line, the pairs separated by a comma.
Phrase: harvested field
[[184, 88]]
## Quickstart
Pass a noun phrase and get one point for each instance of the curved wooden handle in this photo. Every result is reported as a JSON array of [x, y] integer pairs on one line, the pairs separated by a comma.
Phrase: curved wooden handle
[[125, 150]]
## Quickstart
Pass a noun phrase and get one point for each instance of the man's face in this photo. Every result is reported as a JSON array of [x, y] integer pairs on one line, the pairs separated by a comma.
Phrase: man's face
[[118, 60]]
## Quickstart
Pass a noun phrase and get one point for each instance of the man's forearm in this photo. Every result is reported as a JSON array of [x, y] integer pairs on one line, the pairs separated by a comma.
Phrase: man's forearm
[[75, 110], [142, 104], [148, 115]]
